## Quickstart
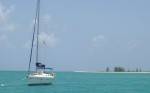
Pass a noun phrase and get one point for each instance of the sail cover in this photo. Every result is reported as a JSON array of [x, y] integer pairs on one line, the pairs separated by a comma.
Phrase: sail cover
[[40, 65]]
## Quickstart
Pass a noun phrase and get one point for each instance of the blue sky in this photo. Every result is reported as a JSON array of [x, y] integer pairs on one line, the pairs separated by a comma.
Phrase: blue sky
[[79, 34]]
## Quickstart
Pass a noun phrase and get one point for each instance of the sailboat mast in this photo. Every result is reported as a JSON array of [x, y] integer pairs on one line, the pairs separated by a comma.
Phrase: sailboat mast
[[37, 16], [37, 47]]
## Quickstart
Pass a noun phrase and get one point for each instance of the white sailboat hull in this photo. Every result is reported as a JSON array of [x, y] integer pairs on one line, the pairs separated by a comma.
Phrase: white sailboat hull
[[37, 79]]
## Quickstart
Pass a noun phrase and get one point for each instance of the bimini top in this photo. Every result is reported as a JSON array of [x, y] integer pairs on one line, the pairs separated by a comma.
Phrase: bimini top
[[42, 66]]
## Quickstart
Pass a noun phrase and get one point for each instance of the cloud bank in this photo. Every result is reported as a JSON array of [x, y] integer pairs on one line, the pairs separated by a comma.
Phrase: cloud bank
[[5, 24]]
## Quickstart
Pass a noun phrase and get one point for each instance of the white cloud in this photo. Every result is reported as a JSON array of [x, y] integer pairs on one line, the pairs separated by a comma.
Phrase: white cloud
[[4, 43], [44, 21], [5, 24], [50, 40], [98, 40], [47, 23]]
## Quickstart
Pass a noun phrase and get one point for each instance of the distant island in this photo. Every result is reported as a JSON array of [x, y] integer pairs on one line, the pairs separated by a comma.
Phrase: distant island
[[119, 70], [111, 72]]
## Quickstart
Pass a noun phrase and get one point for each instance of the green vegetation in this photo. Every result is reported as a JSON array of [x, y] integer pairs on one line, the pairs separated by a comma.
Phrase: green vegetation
[[121, 69], [107, 69]]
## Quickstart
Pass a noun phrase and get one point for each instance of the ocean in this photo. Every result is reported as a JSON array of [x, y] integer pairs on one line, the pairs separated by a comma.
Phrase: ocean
[[78, 82]]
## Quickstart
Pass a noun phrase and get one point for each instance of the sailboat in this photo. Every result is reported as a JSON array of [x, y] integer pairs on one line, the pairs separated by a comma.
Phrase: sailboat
[[39, 76]]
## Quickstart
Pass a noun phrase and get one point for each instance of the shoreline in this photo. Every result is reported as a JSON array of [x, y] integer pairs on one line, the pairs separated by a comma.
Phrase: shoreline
[[108, 72]]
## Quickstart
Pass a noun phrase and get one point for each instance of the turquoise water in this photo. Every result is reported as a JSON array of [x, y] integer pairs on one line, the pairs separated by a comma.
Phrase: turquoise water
[[76, 82]]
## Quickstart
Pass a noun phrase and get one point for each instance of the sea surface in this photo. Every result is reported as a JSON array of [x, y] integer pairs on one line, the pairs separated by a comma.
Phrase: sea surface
[[78, 82]]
